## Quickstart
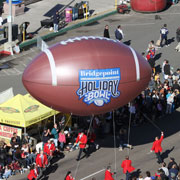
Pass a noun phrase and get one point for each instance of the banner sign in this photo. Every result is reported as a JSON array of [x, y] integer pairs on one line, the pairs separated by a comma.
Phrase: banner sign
[[98, 86], [6, 132]]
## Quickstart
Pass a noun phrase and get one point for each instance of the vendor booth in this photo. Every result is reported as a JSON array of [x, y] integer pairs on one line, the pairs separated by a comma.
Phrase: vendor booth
[[24, 111]]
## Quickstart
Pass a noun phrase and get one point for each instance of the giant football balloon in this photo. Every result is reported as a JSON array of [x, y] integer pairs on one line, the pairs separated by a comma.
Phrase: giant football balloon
[[148, 5], [87, 75]]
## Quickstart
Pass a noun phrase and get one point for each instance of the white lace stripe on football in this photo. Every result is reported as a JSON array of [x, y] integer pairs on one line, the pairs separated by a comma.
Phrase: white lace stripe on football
[[52, 66], [136, 63]]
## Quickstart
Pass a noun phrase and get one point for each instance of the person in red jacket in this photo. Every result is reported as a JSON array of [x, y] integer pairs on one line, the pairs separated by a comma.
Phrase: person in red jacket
[[82, 141], [41, 160], [108, 174], [127, 167], [68, 176], [157, 147], [49, 148], [33, 174]]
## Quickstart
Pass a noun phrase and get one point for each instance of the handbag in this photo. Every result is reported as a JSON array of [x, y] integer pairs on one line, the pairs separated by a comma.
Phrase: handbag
[[158, 42]]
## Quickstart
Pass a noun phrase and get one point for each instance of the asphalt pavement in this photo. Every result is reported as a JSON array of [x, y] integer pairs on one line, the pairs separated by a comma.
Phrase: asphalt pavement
[[139, 29]]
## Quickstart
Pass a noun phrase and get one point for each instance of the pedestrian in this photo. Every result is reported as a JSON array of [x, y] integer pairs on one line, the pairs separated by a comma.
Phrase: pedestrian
[[109, 174], [123, 139], [62, 139], [173, 172], [54, 132], [148, 176], [69, 176], [166, 69], [119, 33], [127, 167], [171, 163], [49, 148], [177, 48], [157, 147], [106, 31], [41, 161], [16, 48], [82, 141], [33, 174], [56, 21], [23, 30], [163, 33], [165, 169], [45, 136]]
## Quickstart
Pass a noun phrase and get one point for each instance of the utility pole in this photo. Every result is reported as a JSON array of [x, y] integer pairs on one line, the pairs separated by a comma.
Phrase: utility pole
[[10, 25]]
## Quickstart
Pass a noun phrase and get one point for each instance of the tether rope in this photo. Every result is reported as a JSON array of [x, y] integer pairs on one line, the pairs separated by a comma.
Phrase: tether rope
[[114, 132], [151, 122], [77, 167], [129, 131]]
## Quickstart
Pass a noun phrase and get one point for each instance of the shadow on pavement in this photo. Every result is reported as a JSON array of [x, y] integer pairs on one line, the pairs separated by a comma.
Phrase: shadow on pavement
[[157, 56], [171, 40], [165, 154], [136, 173], [146, 133], [128, 43]]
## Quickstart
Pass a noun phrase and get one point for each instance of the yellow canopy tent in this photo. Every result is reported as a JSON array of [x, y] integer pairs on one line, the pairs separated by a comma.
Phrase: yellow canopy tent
[[23, 111]]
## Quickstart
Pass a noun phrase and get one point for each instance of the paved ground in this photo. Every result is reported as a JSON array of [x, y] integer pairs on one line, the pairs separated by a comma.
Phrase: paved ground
[[141, 138], [139, 29], [45, 9]]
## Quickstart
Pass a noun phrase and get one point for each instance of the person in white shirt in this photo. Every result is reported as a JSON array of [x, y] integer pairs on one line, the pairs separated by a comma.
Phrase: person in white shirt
[[16, 49], [165, 169], [148, 176]]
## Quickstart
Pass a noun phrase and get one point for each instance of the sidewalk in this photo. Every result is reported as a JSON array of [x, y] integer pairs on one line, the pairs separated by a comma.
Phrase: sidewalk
[[34, 13], [44, 9]]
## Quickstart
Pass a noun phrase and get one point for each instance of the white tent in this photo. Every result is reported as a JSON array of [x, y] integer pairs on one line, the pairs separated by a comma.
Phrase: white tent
[[6, 95]]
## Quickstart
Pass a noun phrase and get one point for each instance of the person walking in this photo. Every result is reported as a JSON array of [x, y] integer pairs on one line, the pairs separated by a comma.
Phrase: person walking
[[69, 176], [127, 167], [108, 174], [163, 34], [82, 141], [177, 48], [119, 33], [157, 147], [106, 31], [56, 21]]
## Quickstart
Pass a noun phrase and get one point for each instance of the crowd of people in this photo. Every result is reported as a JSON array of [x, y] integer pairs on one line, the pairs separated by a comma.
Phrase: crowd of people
[[169, 172], [20, 157], [161, 97]]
